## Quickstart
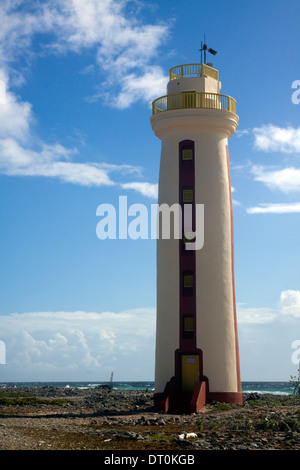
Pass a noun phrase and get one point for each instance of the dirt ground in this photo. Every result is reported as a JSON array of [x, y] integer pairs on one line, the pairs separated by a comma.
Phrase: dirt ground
[[112, 420]]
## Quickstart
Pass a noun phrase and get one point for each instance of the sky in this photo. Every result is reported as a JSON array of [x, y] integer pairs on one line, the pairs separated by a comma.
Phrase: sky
[[77, 78]]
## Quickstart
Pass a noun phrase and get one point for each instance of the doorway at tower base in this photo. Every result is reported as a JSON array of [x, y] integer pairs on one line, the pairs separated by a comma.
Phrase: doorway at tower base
[[175, 400]]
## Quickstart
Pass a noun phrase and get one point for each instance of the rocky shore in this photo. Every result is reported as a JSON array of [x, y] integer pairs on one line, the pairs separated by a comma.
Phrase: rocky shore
[[102, 419]]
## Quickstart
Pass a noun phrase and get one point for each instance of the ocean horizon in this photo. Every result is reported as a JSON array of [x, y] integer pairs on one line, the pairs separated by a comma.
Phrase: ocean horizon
[[276, 387]]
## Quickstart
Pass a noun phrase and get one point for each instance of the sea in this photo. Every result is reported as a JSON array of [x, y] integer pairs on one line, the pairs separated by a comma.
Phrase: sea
[[276, 388]]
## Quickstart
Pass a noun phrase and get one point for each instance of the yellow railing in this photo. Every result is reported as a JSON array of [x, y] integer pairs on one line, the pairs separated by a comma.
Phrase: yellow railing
[[197, 70], [193, 100]]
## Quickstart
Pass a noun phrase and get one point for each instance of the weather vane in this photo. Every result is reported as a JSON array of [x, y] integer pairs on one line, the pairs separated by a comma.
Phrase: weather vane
[[204, 49]]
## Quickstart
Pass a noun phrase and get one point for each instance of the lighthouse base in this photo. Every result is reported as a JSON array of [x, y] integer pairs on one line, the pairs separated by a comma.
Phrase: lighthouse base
[[175, 401], [226, 397]]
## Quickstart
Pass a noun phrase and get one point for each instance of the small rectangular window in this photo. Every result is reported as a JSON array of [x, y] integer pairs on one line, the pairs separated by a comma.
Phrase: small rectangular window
[[187, 195], [188, 326], [188, 281], [187, 154], [188, 323]]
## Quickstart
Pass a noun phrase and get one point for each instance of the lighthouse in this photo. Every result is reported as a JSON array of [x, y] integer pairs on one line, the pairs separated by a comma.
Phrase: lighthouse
[[197, 355]]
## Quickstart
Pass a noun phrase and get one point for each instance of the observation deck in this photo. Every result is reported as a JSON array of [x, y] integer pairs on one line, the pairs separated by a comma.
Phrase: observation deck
[[195, 70], [189, 73]]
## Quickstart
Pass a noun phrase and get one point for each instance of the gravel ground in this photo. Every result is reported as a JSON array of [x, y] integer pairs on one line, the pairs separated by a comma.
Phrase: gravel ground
[[99, 419]]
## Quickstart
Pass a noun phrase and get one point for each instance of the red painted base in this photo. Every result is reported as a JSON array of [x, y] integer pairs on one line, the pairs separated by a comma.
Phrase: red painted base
[[222, 397], [225, 397]]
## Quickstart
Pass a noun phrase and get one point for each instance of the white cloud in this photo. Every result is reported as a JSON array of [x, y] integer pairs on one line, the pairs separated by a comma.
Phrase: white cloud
[[136, 87], [242, 132], [289, 208], [15, 115], [123, 168], [288, 307], [18, 26], [123, 46], [16, 160], [146, 189], [235, 202], [270, 138], [286, 180], [74, 346], [53, 161], [123, 49], [79, 345], [290, 303], [258, 315]]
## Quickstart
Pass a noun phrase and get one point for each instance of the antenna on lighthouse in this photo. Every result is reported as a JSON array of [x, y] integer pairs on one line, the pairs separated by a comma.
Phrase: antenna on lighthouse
[[204, 49]]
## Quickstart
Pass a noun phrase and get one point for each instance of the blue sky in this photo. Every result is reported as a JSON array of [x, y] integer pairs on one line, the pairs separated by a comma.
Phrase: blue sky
[[75, 133]]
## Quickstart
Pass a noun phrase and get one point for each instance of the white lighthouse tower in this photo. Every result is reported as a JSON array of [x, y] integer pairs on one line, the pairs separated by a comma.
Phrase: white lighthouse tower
[[197, 356]]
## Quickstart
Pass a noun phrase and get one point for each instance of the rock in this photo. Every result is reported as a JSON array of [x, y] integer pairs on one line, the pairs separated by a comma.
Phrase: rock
[[161, 422], [186, 435], [185, 442], [283, 426], [201, 444], [131, 435], [291, 435], [190, 435]]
